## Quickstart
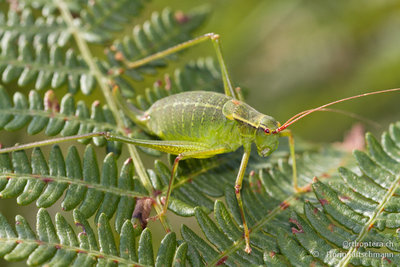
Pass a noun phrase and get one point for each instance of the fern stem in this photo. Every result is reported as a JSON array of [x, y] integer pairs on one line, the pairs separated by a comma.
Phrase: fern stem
[[104, 83], [69, 181], [48, 114]]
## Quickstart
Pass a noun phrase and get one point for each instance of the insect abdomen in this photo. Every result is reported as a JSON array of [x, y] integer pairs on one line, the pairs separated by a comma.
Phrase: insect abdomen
[[191, 116]]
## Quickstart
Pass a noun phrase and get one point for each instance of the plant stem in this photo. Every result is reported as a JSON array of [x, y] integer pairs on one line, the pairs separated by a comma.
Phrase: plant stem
[[104, 83]]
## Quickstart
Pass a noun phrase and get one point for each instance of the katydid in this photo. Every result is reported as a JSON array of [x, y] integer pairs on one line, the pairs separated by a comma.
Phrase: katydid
[[201, 124]]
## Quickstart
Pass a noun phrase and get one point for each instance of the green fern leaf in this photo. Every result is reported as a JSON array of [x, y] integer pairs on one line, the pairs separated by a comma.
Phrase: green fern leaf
[[58, 244], [200, 180], [49, 7], [349, 220], [102, 18], [38, 58], [22, 24], [355, 205], [161, 32], [87, 189], [45, 66], [66, 118]]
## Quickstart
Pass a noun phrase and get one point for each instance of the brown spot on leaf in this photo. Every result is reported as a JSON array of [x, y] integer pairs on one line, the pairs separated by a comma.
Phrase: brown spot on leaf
[[156, 193], [315, 210], [370, 226], [344, 197], [222, 260], [51, 103], [284, 205], [158, 83], [168, 84], [388, 260], [331, 227], [119, 56], [48, 180], [142, 210], [323, 201], [181, 17], [127, 130], [295, 230]]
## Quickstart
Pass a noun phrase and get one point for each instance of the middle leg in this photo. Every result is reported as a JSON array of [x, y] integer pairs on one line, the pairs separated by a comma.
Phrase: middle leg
[[186, 155], [215, 38]]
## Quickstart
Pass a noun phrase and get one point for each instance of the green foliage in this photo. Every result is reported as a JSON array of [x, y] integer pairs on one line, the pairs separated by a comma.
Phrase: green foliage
[[39, 57], [85, 185], [59, 245], [54, 44], [357, 209], [160, 32], [65, 118]]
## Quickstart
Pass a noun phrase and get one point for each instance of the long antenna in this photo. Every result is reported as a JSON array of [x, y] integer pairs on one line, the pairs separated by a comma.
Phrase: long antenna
[[343, 112], [308, 112]]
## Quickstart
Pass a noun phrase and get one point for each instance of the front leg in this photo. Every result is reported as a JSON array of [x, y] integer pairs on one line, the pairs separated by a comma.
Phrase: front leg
[[296, 187], [238, 187]]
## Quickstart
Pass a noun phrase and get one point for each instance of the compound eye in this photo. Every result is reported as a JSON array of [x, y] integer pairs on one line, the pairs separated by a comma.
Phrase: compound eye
[[266, 131]]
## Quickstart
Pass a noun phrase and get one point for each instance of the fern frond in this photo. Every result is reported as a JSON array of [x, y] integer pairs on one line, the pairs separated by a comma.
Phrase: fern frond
[[45, 66], [99, 19], [65, 118], [59, 244], [87, 188], [49, 7], [161, 32], [350, 220], [200, 180], [102, 18], [22, 23]]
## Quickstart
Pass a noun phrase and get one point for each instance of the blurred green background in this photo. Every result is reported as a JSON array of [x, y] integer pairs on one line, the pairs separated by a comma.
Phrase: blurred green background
[[294, 55]]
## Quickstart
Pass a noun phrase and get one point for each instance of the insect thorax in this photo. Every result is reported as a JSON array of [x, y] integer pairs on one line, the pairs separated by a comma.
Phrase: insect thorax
[[253, 125]]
